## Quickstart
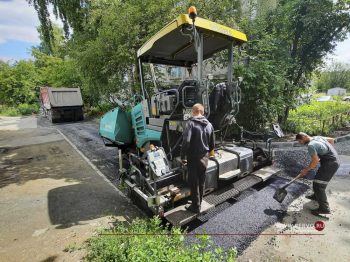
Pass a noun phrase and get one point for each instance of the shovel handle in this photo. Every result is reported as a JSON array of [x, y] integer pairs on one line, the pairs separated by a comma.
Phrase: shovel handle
[[290, 182]]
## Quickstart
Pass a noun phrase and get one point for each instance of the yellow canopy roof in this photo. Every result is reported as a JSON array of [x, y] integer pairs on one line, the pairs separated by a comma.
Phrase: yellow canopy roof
[[170, 46]]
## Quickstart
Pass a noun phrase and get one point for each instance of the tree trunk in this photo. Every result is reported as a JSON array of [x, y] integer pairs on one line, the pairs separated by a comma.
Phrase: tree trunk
[[285, 115]]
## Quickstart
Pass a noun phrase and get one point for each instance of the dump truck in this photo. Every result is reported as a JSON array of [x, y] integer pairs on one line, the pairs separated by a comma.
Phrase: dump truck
[[149, 136], [61, 104]]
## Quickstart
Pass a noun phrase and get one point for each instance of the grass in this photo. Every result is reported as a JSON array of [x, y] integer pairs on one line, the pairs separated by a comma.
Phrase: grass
[[71, 248], [146, 240], [20, 110], [9, 111], [319, 117]]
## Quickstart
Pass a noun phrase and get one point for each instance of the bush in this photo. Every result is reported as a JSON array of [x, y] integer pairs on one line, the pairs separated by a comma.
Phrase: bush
[[319, 117], [146, 240], [100, 109], [22, 109], [8, 111], [26, 109]]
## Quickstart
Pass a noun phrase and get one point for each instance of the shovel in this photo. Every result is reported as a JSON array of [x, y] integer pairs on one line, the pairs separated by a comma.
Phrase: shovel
[[281, 193]]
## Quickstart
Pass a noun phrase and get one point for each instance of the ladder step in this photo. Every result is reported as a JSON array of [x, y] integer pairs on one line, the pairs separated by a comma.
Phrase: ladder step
[[180, 216], [229, 175], [221, 195], [266, 172]]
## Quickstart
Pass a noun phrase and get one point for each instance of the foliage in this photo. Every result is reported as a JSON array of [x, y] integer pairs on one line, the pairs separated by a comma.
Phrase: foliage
[[104, 42], [26, 109], [263, 76], [72, 13], [8, 111], [307, 30], [19, 83], [100, 109], [335, 75], [146, 240], [319, 117], [57, 44], [21, 109], [55, 71], [285, 45]]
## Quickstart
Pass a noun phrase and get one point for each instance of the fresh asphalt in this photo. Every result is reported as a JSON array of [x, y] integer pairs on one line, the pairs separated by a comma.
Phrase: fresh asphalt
[[236, 222]]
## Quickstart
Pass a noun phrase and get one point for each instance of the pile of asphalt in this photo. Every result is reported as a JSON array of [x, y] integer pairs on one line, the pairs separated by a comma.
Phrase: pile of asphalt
[[237, 223], [241, 221]]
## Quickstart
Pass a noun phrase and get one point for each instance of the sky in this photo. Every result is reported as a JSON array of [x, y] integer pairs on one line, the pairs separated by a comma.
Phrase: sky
[[18, 33]]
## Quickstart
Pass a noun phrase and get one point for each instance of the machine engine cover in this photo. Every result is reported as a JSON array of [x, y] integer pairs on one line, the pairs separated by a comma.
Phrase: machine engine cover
[[158, 162]]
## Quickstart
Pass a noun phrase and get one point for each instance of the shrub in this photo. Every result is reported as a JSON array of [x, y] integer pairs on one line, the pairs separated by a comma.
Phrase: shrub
[[146, 240], [22, 109], [8, 111], [27, 109], [319, 117], [100, 109]]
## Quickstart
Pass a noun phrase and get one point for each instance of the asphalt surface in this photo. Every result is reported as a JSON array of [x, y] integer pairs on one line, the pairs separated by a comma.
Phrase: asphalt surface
[[236, 222], [84, 135]]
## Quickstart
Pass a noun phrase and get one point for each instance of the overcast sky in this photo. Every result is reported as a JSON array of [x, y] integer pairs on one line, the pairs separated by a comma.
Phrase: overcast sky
[[18, 22]]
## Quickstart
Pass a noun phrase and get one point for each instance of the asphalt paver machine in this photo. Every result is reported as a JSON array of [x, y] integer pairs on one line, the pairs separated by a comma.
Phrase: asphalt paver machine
[[149, 135]]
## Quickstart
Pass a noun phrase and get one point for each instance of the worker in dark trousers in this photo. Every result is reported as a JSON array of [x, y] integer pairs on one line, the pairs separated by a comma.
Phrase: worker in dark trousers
[[197, 145], [321, 151]]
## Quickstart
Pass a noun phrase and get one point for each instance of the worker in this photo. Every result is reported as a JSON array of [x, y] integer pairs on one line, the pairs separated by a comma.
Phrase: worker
[[197, 145], [321, 151]]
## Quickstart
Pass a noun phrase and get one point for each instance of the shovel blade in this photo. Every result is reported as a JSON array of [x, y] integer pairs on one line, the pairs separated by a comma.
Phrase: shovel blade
[[280, 195]]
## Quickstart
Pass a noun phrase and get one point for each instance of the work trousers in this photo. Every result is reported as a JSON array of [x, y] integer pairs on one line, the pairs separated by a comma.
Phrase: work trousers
[[323, 176], [196, 168]]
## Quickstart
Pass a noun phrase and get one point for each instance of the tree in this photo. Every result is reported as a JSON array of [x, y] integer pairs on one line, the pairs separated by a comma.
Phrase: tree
[[308, 30], [54, 65], [19, 83], [285, 45], [105, 49], [335, 75], [72, 13], [57, 45], [263, 75]]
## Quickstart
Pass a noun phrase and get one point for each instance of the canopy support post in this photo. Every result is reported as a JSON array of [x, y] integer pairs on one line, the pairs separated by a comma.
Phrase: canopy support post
[[141, 79], [230, 64], [200, 56]]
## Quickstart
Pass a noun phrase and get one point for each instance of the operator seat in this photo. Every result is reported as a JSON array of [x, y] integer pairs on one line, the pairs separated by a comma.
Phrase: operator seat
[[190, 93]]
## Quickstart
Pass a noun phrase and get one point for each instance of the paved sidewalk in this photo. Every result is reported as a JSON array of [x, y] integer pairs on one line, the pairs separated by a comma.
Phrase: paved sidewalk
[[51, 199], [17, 123]]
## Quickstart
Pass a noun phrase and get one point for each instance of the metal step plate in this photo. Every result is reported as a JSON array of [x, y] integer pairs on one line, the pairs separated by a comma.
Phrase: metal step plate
[[266, 172], [221, 195], [247, 182], [229, 175], [180, 216]]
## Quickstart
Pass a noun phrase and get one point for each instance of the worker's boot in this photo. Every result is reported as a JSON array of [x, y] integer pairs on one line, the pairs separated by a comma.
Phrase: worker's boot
[[311, 196], [193, 208], [320, 211], [320, 193]]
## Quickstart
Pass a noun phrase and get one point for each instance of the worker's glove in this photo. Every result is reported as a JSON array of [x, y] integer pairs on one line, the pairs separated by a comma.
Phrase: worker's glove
[[212, 153], [304, 172]]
